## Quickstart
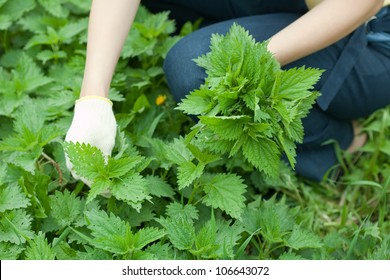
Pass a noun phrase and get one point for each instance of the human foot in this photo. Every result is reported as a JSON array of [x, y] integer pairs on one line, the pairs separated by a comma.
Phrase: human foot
[[359, 138]]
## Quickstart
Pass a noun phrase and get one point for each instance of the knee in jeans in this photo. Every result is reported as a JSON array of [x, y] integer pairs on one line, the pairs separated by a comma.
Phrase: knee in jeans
[[182, 73]]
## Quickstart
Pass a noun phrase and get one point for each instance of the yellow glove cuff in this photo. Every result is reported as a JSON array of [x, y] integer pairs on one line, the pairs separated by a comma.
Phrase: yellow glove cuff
[[88, 97]]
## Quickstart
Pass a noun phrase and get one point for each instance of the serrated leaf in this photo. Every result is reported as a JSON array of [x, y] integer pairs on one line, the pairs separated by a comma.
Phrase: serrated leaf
[[5, 22], [297, 82], [109, 232], [202, 155], [243, 104], [145, 236], [288, 148], [144, 215], [188, 172], [177, 152], [54, 7], [275, 220], [290, 256], [161, 251], [228, 128], [217, 239], [99, 186], [39, 249], [27, 76], [16, 8], [199, 102], [69, 31], [119, 167], [10, 251], [88, 161], [205, 240], [155, 25], [225, 191], [177, 211], [181, 232], [136, 45], [263, 153], [47, 55], [158, 187], [131, 189], [301, 238], [15, 227], [12, 197], [66, 208]]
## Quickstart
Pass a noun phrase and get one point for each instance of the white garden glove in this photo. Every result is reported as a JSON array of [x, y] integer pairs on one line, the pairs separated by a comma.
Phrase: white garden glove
[[93, 123]]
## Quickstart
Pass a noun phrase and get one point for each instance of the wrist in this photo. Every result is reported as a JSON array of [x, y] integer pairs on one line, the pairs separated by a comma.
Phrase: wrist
[[93, 97], [89, 88]]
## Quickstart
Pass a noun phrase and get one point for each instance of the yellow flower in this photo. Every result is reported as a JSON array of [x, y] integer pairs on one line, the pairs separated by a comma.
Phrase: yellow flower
[[160, 100]]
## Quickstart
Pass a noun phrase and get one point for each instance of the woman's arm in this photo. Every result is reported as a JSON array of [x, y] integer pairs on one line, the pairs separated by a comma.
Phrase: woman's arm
[[109, 24], [326, 23]]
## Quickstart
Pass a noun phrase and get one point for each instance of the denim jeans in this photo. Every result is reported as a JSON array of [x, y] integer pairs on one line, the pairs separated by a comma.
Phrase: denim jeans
[[354, 84]]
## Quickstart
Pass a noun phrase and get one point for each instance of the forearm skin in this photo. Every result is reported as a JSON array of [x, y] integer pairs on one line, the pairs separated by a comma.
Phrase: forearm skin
[[109, 25], [324, 24]]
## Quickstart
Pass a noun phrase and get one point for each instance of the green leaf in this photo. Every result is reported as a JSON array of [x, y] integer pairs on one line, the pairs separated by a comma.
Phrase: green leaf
[[47, 55], [10, 251], [131, 189], [372, 229], [141, 104], [225, 191], [12, 197], [290, 256], [181, 232], [188, 172], [16, 8], [301, 238], [155, 25], [69, 31], [119, 167], [178, 211], [205, 240], [198, 102], [27, 76], [288, 148], [5, 22], [227, 128], [162, 251], [39, 249], [245, 103], [136, 45], [217, 239], [177, 152], [15, 227], [66, 208], [88, 161], [54, 7], [297, 82], [275, 220], [109, 232], [158, 187], [202, 155], [264, 154], [147, 235], [100, 186]]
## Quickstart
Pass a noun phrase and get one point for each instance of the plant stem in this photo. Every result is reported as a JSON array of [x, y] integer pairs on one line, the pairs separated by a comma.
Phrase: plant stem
[[56, 166], [193, 193]]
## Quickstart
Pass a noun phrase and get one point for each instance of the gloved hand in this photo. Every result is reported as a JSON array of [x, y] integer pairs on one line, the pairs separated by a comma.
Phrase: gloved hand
[[93, 123]]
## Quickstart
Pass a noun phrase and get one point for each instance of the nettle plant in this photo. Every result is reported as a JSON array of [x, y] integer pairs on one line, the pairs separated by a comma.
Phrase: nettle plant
[[248, 105], [172, 189]]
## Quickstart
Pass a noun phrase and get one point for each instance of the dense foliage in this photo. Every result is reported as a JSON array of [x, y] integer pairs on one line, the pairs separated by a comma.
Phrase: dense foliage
[[167, 192]]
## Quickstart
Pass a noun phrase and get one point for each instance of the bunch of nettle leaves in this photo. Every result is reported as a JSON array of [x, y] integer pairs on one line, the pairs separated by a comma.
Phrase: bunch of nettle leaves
[[172, 189]]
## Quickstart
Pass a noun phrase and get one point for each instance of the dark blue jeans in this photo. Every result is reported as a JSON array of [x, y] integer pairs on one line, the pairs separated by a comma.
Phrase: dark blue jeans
[[354, 84]]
